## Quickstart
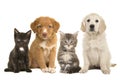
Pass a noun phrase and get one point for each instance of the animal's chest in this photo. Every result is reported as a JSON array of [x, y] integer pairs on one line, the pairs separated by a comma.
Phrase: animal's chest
[[94, 56], [94, 52], [66, 57], [46, 49]]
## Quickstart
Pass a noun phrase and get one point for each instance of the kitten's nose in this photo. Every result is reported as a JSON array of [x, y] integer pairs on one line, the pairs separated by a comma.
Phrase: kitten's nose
[[68, 45]]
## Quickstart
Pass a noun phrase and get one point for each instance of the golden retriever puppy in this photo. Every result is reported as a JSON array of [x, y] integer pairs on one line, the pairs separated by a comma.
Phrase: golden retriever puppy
[[95, 50], [43, 49]]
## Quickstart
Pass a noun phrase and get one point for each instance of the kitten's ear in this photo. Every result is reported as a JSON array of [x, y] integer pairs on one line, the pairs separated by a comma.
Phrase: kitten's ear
[[16, 31], [28, 33], [76, 34], [61, 34]]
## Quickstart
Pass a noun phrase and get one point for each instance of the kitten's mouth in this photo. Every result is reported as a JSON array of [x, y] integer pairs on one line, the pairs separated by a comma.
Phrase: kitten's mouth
[[68, 46]]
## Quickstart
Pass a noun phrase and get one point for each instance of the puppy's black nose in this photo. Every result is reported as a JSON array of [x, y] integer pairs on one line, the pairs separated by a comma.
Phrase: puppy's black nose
[[92, 27]]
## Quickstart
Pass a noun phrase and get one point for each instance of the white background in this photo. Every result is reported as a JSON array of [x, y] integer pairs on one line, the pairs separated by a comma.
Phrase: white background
[[69, 13]]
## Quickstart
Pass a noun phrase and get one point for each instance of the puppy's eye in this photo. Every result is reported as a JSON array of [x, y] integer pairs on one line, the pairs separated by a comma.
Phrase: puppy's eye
[[96, 21], [49, 26], [39, 26], [88, 20]]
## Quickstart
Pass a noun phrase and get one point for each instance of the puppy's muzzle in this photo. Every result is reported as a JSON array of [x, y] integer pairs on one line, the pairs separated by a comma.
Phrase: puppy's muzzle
[[92, 26], [44, 35]]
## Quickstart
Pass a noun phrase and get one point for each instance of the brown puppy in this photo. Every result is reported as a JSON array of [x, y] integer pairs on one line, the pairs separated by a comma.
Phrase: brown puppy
[[43, 49]]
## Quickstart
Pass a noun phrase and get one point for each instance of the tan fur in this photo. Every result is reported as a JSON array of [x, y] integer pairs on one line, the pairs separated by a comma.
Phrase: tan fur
[[83, 27], [43, 49], [103, 26], [95, 48]]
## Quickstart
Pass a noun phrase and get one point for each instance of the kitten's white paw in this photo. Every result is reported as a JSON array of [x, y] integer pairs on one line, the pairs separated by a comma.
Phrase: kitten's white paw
[[83, 70], [45, 70], [51, 70]]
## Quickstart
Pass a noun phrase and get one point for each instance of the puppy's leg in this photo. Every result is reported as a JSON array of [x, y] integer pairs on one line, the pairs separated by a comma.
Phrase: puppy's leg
[[86, 63], [105, 63], [52, 60], [41, 61], [30, 59]]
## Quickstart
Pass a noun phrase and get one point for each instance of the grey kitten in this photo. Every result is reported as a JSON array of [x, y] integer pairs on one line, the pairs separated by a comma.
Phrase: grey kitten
[[67, 57]]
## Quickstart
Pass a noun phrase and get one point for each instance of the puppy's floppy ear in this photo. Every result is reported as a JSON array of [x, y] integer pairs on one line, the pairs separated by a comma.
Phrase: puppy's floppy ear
[[34, 26], [83, 28], [56, 25], [102, 26]]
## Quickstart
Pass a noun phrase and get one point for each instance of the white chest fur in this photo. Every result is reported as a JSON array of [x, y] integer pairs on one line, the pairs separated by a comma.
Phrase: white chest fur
[[66, 57], [21, 49], [47, 49]]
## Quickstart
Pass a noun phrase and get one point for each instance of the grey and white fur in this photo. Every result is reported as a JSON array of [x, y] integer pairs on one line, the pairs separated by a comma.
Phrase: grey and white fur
[[67, 57]]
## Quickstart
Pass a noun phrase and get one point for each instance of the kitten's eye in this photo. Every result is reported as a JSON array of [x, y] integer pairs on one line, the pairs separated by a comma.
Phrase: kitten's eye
[[96, 21], [71, 42], [25, 40], [18, 40], [65, 41], [88, 20]]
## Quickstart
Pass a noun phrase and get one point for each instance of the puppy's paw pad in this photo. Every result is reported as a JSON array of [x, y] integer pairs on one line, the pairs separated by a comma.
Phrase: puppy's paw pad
[[52, 70], [106, 71], [83, 71], [45, 70]]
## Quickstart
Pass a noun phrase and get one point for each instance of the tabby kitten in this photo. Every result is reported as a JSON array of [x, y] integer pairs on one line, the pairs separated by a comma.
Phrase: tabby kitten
[[18, 59], [67, 57]]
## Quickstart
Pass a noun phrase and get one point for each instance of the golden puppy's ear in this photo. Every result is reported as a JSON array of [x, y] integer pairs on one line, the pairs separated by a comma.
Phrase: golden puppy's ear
[[33, 26], [102, 26], [83, 28], [56, 25]]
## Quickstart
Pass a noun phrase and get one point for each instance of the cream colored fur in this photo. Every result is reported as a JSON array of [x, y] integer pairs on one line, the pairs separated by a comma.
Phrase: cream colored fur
[[95, 49]]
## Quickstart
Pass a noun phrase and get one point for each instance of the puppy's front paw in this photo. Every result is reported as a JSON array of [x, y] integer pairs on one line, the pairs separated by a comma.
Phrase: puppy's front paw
[[52, 70], [83, 70], [45, 70], [106, 71]]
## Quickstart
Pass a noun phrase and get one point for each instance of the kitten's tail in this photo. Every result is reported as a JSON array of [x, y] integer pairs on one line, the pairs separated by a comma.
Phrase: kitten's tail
[[74, 69]]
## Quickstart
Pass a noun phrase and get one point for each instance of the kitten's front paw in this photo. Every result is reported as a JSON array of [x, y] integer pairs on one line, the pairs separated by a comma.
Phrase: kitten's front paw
[[45, 70], [52, 70], [83, 70], [106, 71], [28, 70], [16, 71]]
